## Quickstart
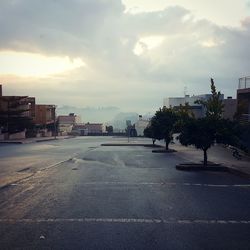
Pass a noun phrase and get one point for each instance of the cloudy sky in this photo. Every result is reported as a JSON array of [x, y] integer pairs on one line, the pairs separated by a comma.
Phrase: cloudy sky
[[128, 54]]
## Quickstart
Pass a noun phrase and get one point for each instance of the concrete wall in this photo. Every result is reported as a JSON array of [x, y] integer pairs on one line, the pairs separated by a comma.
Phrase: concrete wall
[[17, 136]]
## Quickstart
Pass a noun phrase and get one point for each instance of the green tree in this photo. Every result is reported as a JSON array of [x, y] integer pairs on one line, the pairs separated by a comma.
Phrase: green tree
[[163, 123], [149, 133], [184, 113], [214, 105], [204, 132], [200, 133], [109, 129]]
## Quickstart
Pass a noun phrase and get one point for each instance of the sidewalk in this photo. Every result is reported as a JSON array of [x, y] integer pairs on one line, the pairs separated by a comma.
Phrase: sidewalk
[[33, 140], [216, 154]]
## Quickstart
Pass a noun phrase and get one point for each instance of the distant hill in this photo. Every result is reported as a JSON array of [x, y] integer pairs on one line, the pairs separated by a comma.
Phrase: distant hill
[[109, 115]]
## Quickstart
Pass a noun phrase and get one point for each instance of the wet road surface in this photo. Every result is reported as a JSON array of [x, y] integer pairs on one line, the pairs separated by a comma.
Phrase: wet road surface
[[117, 198]]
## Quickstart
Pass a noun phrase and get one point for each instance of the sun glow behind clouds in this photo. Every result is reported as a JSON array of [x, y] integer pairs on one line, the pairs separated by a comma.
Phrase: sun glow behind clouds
[[147, 43], [211, 43], [35, 65]]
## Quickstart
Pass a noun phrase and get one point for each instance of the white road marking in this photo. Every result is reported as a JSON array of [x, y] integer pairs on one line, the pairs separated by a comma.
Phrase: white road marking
[[163, 184], [124, 221], [108, 183]]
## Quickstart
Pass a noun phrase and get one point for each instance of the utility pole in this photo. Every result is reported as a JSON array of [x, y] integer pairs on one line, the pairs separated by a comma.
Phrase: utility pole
[[8, 117], [54, 109]]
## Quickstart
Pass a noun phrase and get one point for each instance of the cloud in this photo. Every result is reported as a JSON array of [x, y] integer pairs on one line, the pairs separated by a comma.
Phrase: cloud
[[176, 50]]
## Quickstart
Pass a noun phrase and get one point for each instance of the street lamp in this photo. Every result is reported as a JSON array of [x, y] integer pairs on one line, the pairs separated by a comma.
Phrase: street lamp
[[54, 111]]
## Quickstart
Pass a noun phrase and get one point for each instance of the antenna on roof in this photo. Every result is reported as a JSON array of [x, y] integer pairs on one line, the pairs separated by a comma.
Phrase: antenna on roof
[[185, 90]]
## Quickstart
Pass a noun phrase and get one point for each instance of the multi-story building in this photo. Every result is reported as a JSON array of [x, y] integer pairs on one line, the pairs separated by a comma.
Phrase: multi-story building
[[66, 123], [230, 104], [230, 108], [243, 99], [197, 109], [18, 103], [45, 114], [13, 109]]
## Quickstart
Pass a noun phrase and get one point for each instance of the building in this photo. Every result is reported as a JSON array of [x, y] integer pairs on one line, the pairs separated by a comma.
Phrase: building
[[25, 103], [45, 114], [45, 119], [95, 128], [13, 110], [230, 108], [140, 125], [66, 123], [243, 99], [89, 129], [197, 109]]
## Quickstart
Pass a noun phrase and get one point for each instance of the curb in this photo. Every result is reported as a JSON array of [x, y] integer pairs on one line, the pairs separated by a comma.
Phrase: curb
[[126, 144], [199, 167], [46, 140], [164, 151], [11, 142], [27, 141], [214, 167]]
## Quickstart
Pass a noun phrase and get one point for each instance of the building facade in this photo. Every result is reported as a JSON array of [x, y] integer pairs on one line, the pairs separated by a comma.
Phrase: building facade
[[16, 115], [140, 125], [243, 99], [67, 122], [230, 108], [45, 114]]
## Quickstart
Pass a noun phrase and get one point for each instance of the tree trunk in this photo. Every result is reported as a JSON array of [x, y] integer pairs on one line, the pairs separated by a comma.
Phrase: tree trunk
[[167, 141], [205, 157]]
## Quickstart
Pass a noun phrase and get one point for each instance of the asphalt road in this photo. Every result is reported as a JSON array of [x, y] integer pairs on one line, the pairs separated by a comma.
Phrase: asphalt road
[[76, 194]]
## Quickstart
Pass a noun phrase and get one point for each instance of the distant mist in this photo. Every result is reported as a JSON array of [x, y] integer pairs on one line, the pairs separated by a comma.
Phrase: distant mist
[[109, 115]]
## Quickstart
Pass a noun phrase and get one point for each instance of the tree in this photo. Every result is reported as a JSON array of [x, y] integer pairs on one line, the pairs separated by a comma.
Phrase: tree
[[184, 113], [149, 133], [109, 129], [204, 132], [163, 123], [200, 133], [214, 105]]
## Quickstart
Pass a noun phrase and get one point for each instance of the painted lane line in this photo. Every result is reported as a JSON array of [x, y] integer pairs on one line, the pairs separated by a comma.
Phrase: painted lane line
[[150, 184], [163, 184], [123, 221]]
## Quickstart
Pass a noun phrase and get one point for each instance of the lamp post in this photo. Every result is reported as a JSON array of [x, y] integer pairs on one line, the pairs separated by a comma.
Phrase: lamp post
[[54, 111]]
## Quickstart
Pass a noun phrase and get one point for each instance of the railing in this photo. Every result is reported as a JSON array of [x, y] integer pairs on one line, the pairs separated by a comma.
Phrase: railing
[[244, 82]]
